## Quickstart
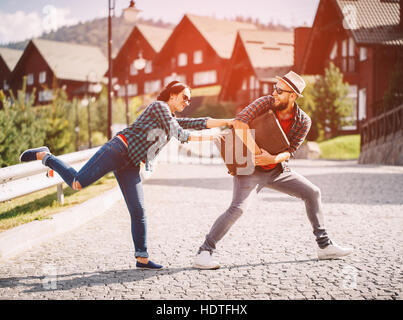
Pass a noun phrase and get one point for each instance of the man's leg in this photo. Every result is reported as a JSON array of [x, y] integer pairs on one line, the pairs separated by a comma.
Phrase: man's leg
[[242, 191], [298, 186]]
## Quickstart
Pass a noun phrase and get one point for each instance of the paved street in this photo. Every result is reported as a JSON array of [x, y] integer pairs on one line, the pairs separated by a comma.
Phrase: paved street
[[270, 253]]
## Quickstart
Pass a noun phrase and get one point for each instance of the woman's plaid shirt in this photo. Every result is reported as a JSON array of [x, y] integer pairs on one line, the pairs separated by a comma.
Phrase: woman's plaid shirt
[[299, 128], [154, 128]]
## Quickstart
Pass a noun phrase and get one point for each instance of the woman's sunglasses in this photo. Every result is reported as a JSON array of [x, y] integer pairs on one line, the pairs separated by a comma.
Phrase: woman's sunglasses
[[186, 98]]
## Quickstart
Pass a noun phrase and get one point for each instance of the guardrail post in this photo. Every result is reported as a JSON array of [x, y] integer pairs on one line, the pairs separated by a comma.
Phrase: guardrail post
[[60, 194]]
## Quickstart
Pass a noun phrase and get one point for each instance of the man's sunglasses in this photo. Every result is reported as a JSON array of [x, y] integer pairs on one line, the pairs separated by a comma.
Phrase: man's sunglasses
[[186, 98], [280, 91]]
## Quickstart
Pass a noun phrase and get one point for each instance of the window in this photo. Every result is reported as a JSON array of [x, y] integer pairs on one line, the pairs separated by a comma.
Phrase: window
[[182, 59], [30, 79], [362, 104], [344, 48], [45, 95], [5, 85], [266, 88], [42, 77], [333, 53], [252, 82], [198, 57], [245, 84], [133, 69], [132, 89], [351, 47], [204, 77], [363, 53], [149, 67], [152, 86]]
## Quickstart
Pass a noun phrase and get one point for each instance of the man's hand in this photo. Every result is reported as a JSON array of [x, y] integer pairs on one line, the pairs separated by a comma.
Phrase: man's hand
[[264, 158]]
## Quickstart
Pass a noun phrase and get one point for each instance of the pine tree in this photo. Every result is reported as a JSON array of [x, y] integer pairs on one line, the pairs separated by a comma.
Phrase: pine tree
[[332, 104]]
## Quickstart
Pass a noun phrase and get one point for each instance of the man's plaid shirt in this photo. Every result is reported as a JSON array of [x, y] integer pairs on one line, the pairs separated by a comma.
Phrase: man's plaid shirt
[[299, 128], [154, 128]]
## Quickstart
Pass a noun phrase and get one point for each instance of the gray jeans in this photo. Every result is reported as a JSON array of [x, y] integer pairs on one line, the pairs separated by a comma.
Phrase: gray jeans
[[287, 182]]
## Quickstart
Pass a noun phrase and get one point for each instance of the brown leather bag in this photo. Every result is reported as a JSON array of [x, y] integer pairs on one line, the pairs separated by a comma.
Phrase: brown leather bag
[[268, 136]]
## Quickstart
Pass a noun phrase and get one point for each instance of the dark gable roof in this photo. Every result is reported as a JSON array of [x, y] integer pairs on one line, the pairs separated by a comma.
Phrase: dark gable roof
[[377, 21]]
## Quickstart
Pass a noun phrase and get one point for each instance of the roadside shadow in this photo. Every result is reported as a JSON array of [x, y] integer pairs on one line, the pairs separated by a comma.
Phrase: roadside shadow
[[63, 282], [346, 188]]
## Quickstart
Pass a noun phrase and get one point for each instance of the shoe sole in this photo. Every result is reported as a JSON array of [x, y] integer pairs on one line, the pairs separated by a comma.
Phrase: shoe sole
[[31, 150], [141, 268], [197, 266], [328, 257]]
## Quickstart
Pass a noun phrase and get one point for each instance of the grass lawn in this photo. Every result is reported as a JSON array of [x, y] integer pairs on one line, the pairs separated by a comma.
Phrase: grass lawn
[[43, 204], [341, 148]]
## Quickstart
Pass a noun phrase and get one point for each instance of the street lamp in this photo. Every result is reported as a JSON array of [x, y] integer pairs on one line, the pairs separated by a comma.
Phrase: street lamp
[[138, 64], [130, 14]]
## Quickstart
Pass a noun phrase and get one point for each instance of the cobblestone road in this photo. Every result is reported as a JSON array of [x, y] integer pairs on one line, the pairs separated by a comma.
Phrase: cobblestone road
[[270, 253]]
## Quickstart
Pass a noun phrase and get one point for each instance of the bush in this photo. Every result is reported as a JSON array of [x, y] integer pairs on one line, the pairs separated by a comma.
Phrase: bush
[[21, 127]]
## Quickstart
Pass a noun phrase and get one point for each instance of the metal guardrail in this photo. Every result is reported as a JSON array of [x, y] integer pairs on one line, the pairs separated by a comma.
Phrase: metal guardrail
[[22, 179], [378, 128]]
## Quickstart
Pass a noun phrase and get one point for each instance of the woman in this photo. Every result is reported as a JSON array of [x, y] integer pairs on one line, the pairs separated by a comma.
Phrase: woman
[[123, 154]]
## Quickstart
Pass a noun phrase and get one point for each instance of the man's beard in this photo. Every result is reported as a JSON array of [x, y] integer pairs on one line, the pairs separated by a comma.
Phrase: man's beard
[[281, 106]]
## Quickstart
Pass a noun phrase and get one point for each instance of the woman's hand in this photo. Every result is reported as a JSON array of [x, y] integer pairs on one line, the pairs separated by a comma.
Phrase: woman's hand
[[213, 123]]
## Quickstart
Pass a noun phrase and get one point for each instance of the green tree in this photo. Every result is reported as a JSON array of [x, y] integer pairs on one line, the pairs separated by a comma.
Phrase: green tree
[[21, 126], [307, 103], [331, 102], [57, 116]]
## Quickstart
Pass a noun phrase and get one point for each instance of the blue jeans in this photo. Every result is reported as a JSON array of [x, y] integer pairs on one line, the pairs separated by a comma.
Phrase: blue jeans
[[112, 156]]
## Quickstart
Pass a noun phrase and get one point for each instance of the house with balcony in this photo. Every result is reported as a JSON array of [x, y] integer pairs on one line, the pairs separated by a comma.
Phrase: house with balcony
[[258, 57], [51, 64], [364, 39]]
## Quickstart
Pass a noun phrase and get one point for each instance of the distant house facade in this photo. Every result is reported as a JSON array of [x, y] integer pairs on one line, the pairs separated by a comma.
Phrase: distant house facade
[[258, 56], [197, 53], [364, 39], [50, 64], [8, 60], [144, 42]]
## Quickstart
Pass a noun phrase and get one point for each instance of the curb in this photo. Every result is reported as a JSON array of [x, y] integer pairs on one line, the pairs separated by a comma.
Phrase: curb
[[26, 236]]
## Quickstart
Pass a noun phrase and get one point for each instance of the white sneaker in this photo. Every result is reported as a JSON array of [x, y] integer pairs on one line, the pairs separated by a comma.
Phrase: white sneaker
[[204, 260], [333, 251]]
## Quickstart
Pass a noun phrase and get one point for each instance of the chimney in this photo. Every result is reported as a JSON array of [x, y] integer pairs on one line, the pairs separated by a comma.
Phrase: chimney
[[301, 37]]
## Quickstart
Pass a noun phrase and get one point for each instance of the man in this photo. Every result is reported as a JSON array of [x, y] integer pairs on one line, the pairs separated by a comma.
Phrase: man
[[272, 171]]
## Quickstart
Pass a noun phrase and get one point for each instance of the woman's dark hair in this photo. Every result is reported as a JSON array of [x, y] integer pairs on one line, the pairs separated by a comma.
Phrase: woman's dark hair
[[173, 87]]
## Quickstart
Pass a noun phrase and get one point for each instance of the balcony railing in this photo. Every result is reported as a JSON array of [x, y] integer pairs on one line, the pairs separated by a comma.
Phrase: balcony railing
[[378, 128]]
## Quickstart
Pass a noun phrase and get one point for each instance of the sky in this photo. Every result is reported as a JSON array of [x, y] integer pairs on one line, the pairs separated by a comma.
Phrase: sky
[[21, 19]]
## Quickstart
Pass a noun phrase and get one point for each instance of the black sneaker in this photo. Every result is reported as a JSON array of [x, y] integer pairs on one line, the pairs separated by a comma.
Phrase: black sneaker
[[30, 154]]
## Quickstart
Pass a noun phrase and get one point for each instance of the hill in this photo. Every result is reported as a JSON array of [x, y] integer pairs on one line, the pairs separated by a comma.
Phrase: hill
[[95, 32]]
